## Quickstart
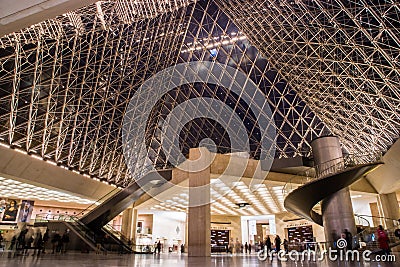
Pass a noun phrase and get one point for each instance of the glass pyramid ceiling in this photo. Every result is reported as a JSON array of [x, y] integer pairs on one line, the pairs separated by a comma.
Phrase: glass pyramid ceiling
[[325, 67]]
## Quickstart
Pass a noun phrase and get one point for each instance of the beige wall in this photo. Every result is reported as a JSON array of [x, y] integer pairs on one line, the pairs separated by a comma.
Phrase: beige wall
[[147, 223]]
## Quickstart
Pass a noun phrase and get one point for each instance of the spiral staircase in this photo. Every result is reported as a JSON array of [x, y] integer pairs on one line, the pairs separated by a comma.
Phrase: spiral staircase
[[304, 191]]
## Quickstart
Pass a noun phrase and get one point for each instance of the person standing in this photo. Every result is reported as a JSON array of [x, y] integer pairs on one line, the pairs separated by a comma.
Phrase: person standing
[[46, 237], [237, 246], [268, 244], [55, 242], [250, 247], [383, 240], [277, 243], [99, 242], [65, 241], [349, 239], [1, 240], [37, 243], [246, 247], [106, 244], [286, 245], [21, 240], [159, 247]]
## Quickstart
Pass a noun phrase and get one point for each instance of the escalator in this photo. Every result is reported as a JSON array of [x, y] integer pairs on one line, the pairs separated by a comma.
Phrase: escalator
[[93, 226], [110, 208], [123, 243], [96, 219], [82, 238]]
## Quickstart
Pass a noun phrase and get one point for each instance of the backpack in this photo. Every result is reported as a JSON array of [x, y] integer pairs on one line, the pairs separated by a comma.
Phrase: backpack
[[397, 233]]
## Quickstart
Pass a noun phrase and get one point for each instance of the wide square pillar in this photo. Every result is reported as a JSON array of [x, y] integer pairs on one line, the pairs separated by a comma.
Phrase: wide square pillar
[[199, 215]]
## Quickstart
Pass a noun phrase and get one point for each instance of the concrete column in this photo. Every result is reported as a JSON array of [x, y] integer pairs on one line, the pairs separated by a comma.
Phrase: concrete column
[[129, 221], [199, 215], [187, 232], [337, 214], [337, 210], [134, 225], [389, 209], [375, 214], [126, 227]]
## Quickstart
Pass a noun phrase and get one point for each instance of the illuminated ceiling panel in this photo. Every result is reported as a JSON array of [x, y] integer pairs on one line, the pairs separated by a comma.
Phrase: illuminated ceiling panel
[[14, 189], [227, 198]]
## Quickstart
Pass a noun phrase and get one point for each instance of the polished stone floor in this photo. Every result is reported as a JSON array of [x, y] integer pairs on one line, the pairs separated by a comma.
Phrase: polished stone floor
[[164, 260]]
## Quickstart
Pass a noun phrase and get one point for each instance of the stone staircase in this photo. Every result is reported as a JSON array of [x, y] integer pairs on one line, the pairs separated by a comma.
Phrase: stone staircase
[[371, 240]]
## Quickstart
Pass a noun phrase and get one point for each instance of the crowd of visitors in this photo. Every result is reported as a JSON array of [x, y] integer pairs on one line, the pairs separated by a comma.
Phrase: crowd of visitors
[[32, 241], [267, 245]]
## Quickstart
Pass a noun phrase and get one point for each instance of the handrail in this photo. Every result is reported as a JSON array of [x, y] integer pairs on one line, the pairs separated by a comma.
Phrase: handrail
[[361, 217], [365, 235], [119, 236], [379, 217], [106, 196], [359, 237], [298, 176], [116, 233], [52, 217], [326, 168], [67, 218]]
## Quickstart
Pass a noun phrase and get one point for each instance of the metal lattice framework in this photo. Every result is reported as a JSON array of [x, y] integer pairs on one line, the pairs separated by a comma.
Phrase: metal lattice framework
[[341, 57], [65, 83]]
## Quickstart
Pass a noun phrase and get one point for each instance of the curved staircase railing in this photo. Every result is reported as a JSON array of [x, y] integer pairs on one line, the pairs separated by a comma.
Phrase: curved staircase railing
[[303, 193], [327, 168], [367, 238]]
